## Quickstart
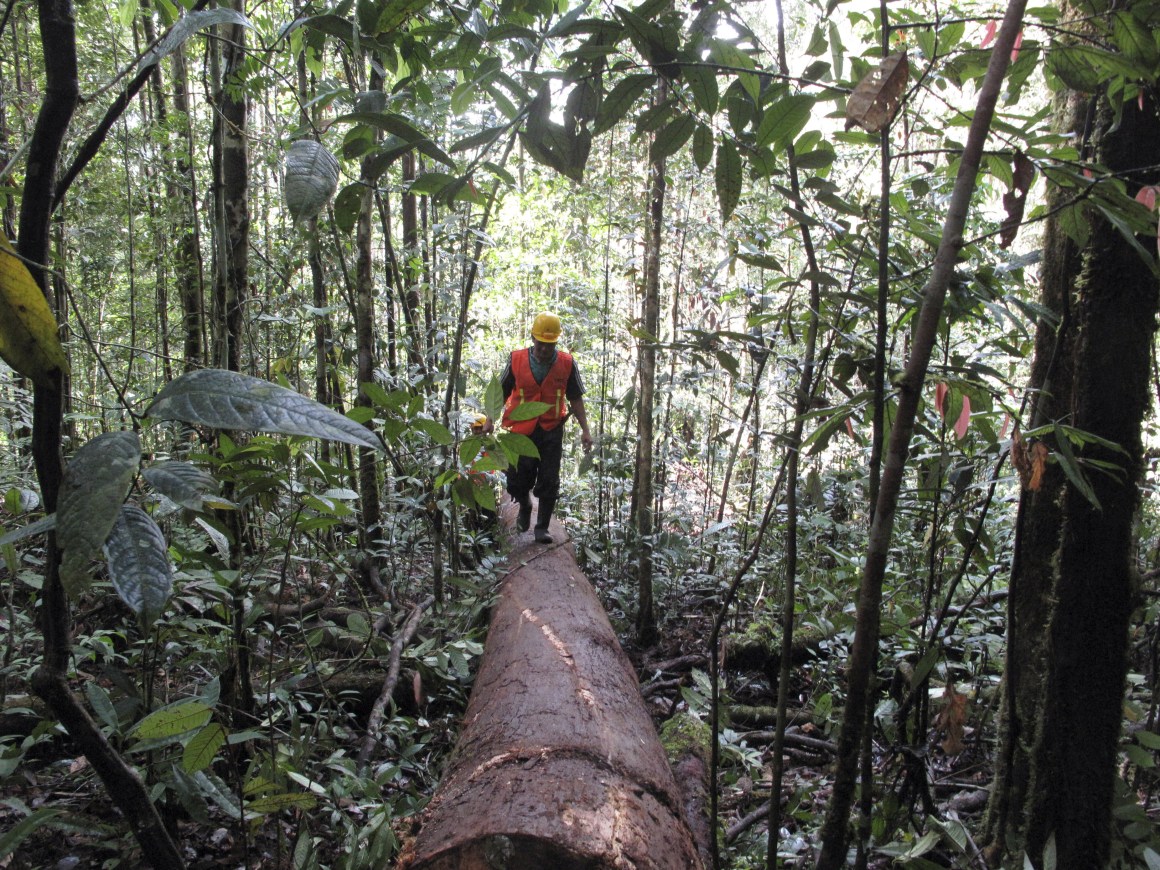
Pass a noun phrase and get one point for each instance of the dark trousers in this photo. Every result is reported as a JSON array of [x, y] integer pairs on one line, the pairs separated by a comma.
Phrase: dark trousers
[[541, 476]]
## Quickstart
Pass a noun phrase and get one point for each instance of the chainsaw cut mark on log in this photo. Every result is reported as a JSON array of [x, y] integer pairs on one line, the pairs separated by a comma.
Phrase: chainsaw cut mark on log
[[562, 649]]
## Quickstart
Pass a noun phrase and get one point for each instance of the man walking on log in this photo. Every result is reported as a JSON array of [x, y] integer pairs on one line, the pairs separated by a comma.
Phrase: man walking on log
[[542, 373]]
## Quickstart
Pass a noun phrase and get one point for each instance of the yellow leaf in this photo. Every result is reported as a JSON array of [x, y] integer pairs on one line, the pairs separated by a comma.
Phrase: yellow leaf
[[28, 330]]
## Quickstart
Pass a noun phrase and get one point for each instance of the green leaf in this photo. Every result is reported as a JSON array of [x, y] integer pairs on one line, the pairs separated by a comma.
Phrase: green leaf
[[389, 122], [620, 99], [515, 445], [1133, 39], [309, 179], [28, 330], [702, 82], [11, 839], [1140, 757], [172, 720], [782, 121], [273, 803], [95, 485], [1148, 739], [702, 146], [139, 565], [431, 183], [1071, 468], [1076, 66], [187, 27], [672, 138], [484, 495], [727, 176], [218, 792], [102, 704], [436, 431], [493, 399], [228, 400], [181, 482], [469, 449], [528, 411], [201, 749], [40, 527], [347, 206]]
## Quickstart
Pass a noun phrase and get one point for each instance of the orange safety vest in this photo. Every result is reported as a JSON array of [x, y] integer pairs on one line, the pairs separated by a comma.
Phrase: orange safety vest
[[551, 392]]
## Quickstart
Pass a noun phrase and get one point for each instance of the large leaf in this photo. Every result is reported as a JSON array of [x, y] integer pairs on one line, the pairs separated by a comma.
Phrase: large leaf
[[620, 99], [177, 718], [228, 400], [783, 120], [11, 839], [528, 411], [310, 178], [95, 484], [727, 175], [187, 27], [398, 126], [40, 527], [28, 330], [877, 97], [180, 482], [672, 137], [139, 563], [201, 749]]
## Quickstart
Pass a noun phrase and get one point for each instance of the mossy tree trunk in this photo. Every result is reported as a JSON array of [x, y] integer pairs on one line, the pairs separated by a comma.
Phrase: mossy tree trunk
[[1073, 762]]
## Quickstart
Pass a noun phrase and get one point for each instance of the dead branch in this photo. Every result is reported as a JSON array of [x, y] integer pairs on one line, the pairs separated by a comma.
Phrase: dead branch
[[393, 664]]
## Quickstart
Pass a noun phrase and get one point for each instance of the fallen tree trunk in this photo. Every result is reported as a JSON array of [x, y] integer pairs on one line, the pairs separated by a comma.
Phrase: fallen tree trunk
[[558, 764]]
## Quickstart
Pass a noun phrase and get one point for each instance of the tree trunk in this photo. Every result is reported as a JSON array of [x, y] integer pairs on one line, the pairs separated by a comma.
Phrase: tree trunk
[[1037, 523], [368, 467], [1073, 765], [646, 620], [233, 210], [559, 764]]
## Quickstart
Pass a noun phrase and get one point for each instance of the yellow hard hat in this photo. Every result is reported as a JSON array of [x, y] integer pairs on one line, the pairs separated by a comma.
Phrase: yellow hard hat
[[546, 328], [478, 424]]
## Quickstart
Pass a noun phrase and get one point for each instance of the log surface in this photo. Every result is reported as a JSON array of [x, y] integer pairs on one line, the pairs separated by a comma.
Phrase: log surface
[[559, 765]]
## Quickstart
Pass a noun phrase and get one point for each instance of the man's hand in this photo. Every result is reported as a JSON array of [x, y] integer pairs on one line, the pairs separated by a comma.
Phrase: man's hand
[[586, 440]]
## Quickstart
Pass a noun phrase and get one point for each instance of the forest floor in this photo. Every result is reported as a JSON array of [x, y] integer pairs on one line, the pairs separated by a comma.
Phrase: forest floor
[[946, 776]]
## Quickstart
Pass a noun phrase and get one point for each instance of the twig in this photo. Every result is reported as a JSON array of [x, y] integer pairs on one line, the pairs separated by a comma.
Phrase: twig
[[393, 663]]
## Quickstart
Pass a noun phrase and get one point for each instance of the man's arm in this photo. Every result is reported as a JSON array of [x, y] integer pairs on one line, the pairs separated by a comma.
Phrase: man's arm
[[582, 418]]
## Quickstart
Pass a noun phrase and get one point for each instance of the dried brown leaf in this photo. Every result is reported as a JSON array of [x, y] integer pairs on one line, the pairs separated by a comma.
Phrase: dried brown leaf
[[877, 97]]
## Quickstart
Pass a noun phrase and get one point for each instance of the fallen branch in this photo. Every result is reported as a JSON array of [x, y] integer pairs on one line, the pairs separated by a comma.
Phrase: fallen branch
[[393, 664]]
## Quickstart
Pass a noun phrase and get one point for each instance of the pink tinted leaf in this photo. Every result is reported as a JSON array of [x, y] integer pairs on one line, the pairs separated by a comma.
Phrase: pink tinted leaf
[[964, 420], [1147, 197], [940, 396], [1015, 47], [989, 36]]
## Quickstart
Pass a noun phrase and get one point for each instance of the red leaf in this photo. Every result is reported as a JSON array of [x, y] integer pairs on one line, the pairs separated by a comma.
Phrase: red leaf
[[989, 36], [1147, 197], [850, 429], [940, 396], [1015, 47], [964, 420]]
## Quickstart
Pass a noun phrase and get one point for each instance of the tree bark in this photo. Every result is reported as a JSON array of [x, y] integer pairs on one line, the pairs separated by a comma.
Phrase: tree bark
[[1037, 522], [646, 620], [1073, 766], [559, 764]]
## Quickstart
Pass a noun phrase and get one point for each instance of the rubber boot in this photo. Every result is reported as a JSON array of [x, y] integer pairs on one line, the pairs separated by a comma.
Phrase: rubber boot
[[524, 518], [543, 518]]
